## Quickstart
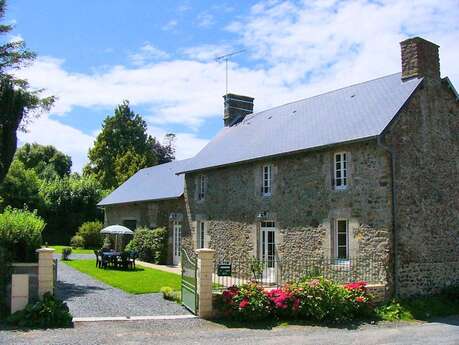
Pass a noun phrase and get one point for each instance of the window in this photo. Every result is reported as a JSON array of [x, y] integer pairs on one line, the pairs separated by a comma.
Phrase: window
[[200, 237], [201, 187], [130, 224], [342, 239], [341, 170], [266, 189]]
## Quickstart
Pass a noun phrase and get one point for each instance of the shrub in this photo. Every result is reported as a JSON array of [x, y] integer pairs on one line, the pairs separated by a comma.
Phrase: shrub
[[247, 302], [77, 242], [47, 313], [393, 311], [20, 234], [317, 300], [169, 294], [151, 245], [66, 252], [90, 231]]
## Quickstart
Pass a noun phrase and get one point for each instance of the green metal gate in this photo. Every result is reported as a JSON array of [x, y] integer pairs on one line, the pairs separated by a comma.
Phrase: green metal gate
[[189, 282]]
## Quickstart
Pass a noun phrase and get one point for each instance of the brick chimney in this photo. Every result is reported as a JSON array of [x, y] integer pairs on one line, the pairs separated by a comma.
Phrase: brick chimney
[[236, 108], [420, 59]]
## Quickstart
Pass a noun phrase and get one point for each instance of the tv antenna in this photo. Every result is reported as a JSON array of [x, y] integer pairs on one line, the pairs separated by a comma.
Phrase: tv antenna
[[226, 58]]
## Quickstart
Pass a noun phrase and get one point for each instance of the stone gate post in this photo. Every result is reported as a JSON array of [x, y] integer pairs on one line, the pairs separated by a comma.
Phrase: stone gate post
[[45, 271], [205, 270]]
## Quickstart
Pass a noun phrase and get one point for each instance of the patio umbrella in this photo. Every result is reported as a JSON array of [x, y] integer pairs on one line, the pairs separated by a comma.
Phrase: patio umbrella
[[116, 230]]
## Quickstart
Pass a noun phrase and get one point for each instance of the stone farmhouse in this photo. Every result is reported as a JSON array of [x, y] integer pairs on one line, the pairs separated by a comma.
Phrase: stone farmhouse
[[370, 170]]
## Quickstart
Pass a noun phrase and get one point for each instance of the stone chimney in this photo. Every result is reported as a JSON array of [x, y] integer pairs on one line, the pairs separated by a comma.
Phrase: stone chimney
[[236, 108], [420, 59]]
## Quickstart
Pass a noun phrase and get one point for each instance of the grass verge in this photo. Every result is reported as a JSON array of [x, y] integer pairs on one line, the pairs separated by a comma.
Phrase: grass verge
[[419, 308], [58, 250], [138, 281]]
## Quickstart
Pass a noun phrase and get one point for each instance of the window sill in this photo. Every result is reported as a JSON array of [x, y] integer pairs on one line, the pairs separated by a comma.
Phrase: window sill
[[340, 189]]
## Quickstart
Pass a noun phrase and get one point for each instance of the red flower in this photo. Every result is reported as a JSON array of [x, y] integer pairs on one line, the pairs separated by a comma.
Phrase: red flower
[[356, 286], [244, 303], [360, 299]]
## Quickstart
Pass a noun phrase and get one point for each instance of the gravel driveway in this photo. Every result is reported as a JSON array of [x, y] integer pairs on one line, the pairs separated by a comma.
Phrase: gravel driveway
[[196, 331], [86, 297]]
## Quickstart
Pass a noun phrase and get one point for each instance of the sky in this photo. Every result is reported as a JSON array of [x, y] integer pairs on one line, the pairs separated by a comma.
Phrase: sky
[[160, 55]]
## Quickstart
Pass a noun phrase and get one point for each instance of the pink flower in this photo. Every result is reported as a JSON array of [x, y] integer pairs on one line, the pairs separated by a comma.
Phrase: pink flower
[[244, 303], [360, 299], [314, 282], [296, 304]]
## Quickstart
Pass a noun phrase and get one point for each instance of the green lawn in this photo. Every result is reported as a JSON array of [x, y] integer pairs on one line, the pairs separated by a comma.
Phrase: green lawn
[[420, 308], [74, 251], [142, 280]]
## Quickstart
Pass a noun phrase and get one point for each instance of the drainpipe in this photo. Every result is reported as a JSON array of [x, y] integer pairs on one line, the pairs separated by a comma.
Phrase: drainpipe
[[394, 223]]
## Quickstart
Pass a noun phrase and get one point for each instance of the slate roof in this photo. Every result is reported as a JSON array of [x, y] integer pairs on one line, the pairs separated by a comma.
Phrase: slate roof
[[156, 183], [352, 113]]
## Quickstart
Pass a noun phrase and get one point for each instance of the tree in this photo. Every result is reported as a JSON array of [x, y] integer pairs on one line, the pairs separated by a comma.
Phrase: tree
[[165, 152], [46, 161], [123, 134], [17, 101], [67, 203], [127, 165], [20, 187]]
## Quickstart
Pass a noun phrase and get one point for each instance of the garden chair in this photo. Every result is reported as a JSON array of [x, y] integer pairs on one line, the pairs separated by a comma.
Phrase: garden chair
[[124, 260], [133, 255], [96, 253], [103, 260]]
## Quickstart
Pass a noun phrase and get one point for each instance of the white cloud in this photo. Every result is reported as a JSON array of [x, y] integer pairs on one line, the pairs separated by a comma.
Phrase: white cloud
[[300, 50], [16, 38], [207, 52], [170, 25], [186, 144], [205, 20], [184, 7], [341, 42], [67, 139], [147, 54]]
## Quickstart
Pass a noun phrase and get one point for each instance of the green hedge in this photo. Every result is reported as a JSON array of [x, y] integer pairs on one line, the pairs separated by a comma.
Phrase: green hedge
[[151, 245], [20, 234]]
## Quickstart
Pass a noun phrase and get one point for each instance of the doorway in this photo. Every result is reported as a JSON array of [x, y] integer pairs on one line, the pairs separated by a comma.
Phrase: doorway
[[177, 242], [268, 250]]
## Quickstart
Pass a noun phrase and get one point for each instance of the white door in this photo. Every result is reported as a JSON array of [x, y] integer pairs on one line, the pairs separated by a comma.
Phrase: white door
[[268, 251], [177, 242]]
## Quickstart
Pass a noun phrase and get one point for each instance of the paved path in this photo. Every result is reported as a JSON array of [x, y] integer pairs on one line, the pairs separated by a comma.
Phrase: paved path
[[165, 268], [77, 256], [87, 297], [196, 331]]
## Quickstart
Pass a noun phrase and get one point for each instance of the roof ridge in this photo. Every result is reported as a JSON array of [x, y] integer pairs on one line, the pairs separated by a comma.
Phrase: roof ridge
[[311, 97]]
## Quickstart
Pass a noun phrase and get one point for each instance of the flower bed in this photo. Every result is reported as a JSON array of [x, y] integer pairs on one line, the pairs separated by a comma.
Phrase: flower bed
[[316, 299]]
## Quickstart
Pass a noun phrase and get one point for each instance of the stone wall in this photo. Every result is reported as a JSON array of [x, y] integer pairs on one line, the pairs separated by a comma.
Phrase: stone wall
[[425, 138], [150, 214], [303, 205]]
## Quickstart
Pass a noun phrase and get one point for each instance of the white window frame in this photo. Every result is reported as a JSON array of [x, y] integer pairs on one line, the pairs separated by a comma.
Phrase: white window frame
[[201, 187], [343, 169], [336, 238], [201, 235], [267, 180]]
